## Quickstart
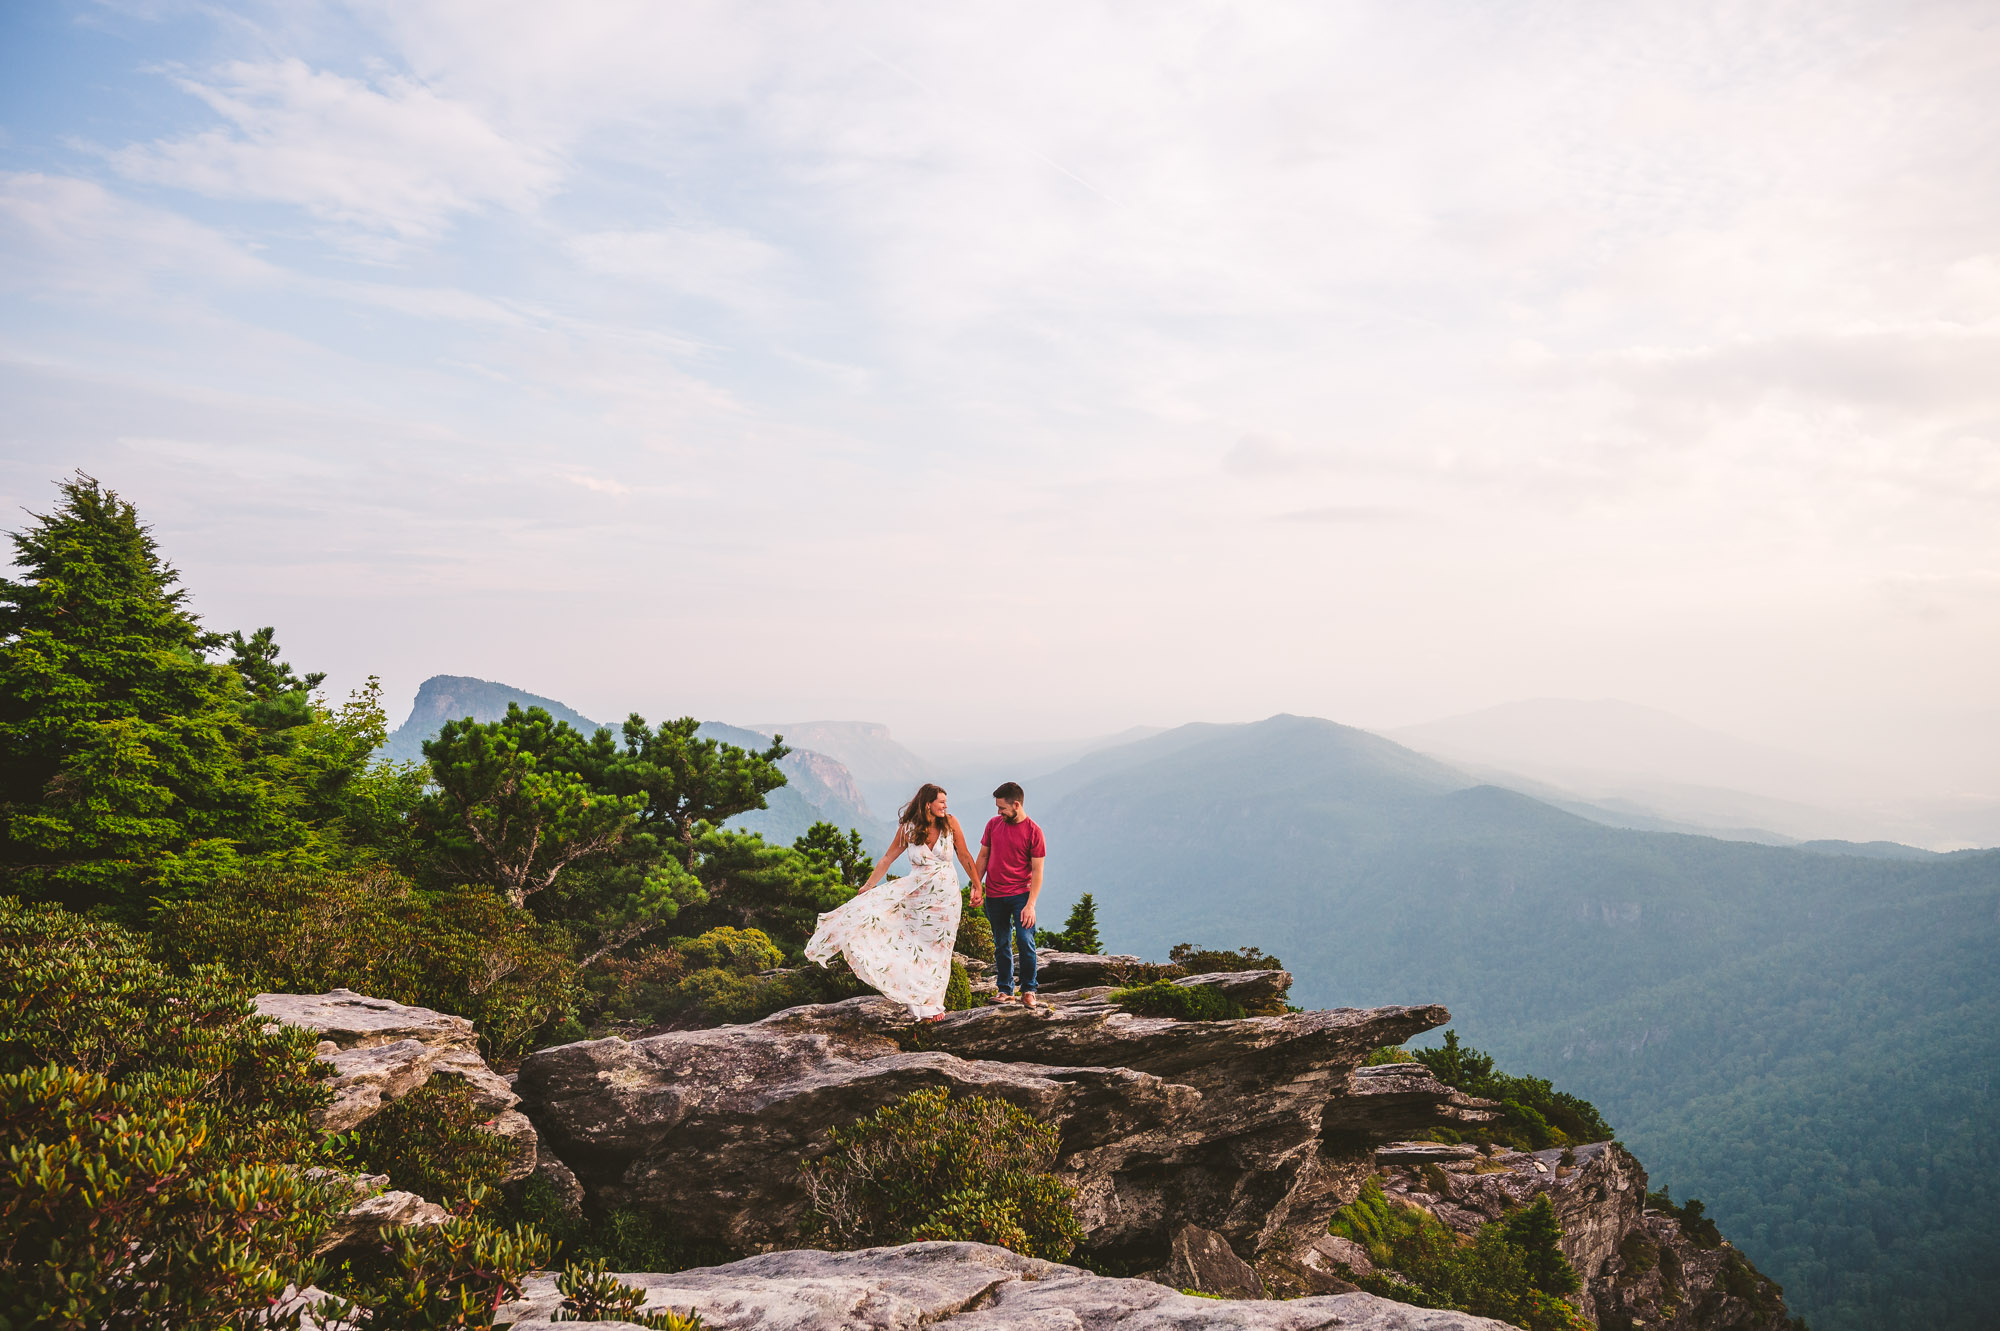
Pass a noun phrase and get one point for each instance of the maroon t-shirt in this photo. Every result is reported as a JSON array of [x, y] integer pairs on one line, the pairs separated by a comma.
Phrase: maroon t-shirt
[[1012, 849]]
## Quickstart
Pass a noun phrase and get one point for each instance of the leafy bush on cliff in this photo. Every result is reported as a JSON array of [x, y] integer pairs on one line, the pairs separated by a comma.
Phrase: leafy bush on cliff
[[1534, 1115], [1692, 1214], [1182, 1002], [1206, 961], [431, 1277], [928, 1166], [1512, 1269], [592, 1294], [430, 1143], [122, 1206], [461, 950], [725, 975], [150, 1126]]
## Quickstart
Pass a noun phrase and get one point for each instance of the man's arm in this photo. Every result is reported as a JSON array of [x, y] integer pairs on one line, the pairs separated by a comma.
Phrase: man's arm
[[1034, 890], [979, 873]]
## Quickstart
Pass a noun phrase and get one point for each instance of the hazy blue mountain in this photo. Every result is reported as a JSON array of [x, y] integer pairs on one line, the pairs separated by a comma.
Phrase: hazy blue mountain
[[1805, 1037], [886, 772], [443, 698], [818, 787]]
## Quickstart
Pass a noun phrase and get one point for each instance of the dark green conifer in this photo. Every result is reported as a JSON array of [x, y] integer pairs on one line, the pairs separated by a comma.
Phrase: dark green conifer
[[121, 748], [1079, 933]]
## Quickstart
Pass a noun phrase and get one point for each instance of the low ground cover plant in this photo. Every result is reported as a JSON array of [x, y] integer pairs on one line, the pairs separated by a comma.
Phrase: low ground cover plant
[[1182, 1002], [929, 1166]]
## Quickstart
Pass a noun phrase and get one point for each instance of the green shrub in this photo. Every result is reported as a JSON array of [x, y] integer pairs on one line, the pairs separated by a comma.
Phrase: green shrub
[[711, 979], [975, 934], [1692, 1215], [150, 1129], [461, 950], [958, 991], [1534, 1115], [592, 1294], [1387, 1054], [1206, 961], [1182, 1002], [738, 951], [1512, 1269], [121, 1207], [86, 995], [927, 1166], [443, 1276], [430, 1143]]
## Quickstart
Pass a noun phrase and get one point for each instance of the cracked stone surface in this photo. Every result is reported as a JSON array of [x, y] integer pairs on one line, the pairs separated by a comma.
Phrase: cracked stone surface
[[966, 1287], [1252, 1128]]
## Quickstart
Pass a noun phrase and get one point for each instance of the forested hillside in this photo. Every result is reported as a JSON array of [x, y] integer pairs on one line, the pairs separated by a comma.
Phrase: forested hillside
[[1803, 1038]]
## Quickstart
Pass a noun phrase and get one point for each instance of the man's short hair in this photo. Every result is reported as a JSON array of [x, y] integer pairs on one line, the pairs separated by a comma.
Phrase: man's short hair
[[1008, 790]]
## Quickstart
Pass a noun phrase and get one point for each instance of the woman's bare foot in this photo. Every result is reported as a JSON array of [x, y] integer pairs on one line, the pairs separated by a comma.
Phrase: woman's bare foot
[[932, 1021]]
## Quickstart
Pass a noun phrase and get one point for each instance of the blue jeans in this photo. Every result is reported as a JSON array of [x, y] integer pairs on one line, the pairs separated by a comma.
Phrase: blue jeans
[[1004, 914]]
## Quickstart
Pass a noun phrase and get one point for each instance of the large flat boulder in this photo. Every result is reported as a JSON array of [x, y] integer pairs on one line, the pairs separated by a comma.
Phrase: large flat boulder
[[966, 1287], [1223, 1124], [382, 1050]]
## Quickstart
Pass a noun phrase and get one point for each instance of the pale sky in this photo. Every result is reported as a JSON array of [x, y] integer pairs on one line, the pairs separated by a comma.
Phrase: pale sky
[[1022, 370]]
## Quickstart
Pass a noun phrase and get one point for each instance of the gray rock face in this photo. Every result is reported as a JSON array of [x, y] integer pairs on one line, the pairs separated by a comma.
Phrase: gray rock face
[[376, 1208], [1248, 1128], [1638, 1268], [966, 1287], [382, 1050], [1056, 971], [1202, 1260]]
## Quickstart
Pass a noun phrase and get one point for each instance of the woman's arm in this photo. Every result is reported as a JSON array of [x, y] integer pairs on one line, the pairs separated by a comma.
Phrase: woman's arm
[[896, 848], [964, 855]]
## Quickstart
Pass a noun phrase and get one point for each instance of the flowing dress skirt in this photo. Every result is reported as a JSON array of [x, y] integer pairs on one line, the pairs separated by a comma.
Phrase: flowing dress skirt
[[898, 936]]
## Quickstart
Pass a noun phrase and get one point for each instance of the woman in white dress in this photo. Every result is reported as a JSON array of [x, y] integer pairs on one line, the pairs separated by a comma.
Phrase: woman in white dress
[[898, 936]]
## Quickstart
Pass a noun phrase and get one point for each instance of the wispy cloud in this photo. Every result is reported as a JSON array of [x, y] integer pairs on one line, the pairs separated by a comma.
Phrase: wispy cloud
[[388, 156]]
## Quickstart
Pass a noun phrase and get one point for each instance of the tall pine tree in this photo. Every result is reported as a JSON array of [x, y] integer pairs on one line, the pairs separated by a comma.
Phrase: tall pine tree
[[121, 747]]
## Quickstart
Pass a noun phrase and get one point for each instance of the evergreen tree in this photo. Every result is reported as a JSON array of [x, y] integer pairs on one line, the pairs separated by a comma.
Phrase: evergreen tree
[[513, 807], [686, 780], [121, 748], [1079, 931], [1535, 1230], [844, 853]]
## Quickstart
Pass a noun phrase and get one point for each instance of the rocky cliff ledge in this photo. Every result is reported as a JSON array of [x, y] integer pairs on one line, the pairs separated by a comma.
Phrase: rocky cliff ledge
[[966, 1287], [1258, 1129], [1640, 1268]]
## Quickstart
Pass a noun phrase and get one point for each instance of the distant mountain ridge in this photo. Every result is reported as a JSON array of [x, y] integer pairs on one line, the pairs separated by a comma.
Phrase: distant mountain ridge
[[1798, 1035], [818, 787]]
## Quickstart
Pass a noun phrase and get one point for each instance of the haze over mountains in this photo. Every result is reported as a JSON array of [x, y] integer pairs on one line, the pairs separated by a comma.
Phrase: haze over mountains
[[1641, 767]]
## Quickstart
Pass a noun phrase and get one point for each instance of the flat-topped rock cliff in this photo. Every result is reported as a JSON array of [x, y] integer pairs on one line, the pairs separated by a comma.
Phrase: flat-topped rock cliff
[[1258, 1129]]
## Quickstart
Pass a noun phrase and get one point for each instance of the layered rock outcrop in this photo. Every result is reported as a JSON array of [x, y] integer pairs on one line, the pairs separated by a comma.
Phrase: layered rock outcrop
[[966, 1287], [382, 1050], [1639, 1267], [1257, 1129]]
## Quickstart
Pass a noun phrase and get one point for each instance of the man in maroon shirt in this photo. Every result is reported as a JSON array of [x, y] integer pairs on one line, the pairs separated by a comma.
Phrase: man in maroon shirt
[[1006, 880]]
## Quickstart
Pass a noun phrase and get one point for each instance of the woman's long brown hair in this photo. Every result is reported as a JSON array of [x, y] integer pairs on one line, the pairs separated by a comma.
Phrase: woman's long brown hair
[[917, 822]]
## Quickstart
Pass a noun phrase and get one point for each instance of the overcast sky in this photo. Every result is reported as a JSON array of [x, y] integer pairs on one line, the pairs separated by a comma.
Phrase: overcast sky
[[1037, 370]]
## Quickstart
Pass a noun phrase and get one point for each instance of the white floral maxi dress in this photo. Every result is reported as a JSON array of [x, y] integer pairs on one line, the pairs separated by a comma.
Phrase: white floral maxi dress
[[898, 935]]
